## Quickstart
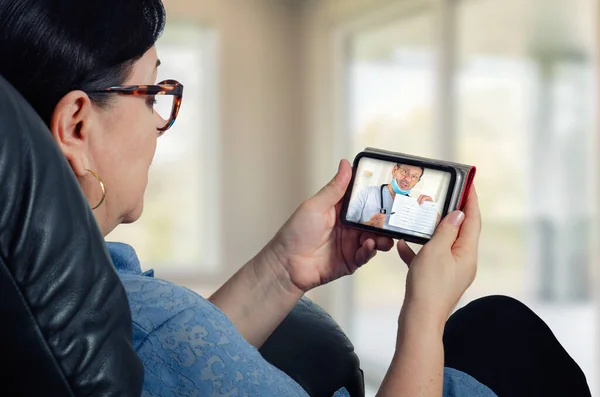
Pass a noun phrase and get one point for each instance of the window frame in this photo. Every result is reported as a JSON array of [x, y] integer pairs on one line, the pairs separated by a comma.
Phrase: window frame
[[210, 155], [445, 46], [209, 270], [442, 10]]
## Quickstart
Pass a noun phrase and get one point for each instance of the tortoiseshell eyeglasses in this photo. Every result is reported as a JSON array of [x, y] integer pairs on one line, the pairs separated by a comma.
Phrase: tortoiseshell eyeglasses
[[166, 101]]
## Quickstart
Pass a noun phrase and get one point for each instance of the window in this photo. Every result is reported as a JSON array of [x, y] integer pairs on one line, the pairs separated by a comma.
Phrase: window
[[528, 96], [516, 82], [392, 105], [171, 236]]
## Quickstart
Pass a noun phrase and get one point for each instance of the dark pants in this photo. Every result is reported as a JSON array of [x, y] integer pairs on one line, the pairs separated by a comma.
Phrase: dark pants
[[504, 345]]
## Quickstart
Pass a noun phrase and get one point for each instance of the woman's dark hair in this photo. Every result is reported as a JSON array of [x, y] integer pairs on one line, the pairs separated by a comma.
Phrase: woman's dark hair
[[51, 47]]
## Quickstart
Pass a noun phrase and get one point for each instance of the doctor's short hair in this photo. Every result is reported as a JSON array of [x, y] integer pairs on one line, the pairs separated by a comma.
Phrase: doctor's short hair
[[422, 169]]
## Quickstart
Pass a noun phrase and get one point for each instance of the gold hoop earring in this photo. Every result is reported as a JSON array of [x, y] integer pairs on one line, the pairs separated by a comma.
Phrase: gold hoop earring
[[101, 187]]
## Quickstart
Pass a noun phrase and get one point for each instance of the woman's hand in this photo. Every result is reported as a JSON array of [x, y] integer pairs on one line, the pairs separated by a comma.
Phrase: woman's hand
[[311, 249], [446, 266], [437, 277], [315, 248]]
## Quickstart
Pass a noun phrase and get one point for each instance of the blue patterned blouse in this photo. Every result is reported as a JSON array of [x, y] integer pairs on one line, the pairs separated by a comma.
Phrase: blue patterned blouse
[[190, 348]]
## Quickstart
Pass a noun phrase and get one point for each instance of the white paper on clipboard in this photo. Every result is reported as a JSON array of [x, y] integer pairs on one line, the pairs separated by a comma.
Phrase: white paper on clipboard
[[408, 214]]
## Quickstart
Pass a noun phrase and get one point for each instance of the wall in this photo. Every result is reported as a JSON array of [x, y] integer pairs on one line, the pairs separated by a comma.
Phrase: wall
[[261, 127], [322, 24], [279, 106]]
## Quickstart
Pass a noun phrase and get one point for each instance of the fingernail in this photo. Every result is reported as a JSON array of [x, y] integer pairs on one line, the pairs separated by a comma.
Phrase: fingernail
[[456, 218]]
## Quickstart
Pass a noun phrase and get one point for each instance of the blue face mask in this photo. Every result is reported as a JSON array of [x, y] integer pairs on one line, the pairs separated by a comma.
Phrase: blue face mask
[[397, 189]]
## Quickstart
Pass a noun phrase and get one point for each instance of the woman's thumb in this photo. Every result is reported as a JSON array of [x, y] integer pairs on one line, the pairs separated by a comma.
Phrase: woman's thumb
[[447, 231], [334, 191]]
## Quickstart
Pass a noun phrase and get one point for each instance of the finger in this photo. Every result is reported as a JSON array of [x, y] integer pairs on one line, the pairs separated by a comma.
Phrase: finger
[[364, 237], [382, 243], [377, 220], [365, 253], [334, 191], [375, 217], [420, 200], [468, 238], [447, 231], [406, 253]]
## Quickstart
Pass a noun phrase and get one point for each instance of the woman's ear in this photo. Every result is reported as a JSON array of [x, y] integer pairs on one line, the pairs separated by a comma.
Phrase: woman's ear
[[70, 126]]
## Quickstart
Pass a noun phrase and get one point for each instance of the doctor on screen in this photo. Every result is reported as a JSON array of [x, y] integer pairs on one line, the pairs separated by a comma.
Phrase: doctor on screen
[[371, 205]]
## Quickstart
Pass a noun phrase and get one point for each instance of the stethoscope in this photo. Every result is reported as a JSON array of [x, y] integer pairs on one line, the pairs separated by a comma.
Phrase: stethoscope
[[382, 210]]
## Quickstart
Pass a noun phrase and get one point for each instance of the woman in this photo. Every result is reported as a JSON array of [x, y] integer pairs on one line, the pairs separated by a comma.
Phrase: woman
[[89, 70]]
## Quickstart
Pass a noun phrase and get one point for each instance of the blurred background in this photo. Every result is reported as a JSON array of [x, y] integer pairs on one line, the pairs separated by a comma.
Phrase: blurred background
[[277, 91]]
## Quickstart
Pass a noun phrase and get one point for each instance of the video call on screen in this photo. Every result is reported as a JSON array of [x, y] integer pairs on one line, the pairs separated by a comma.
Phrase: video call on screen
[[398, 197]]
